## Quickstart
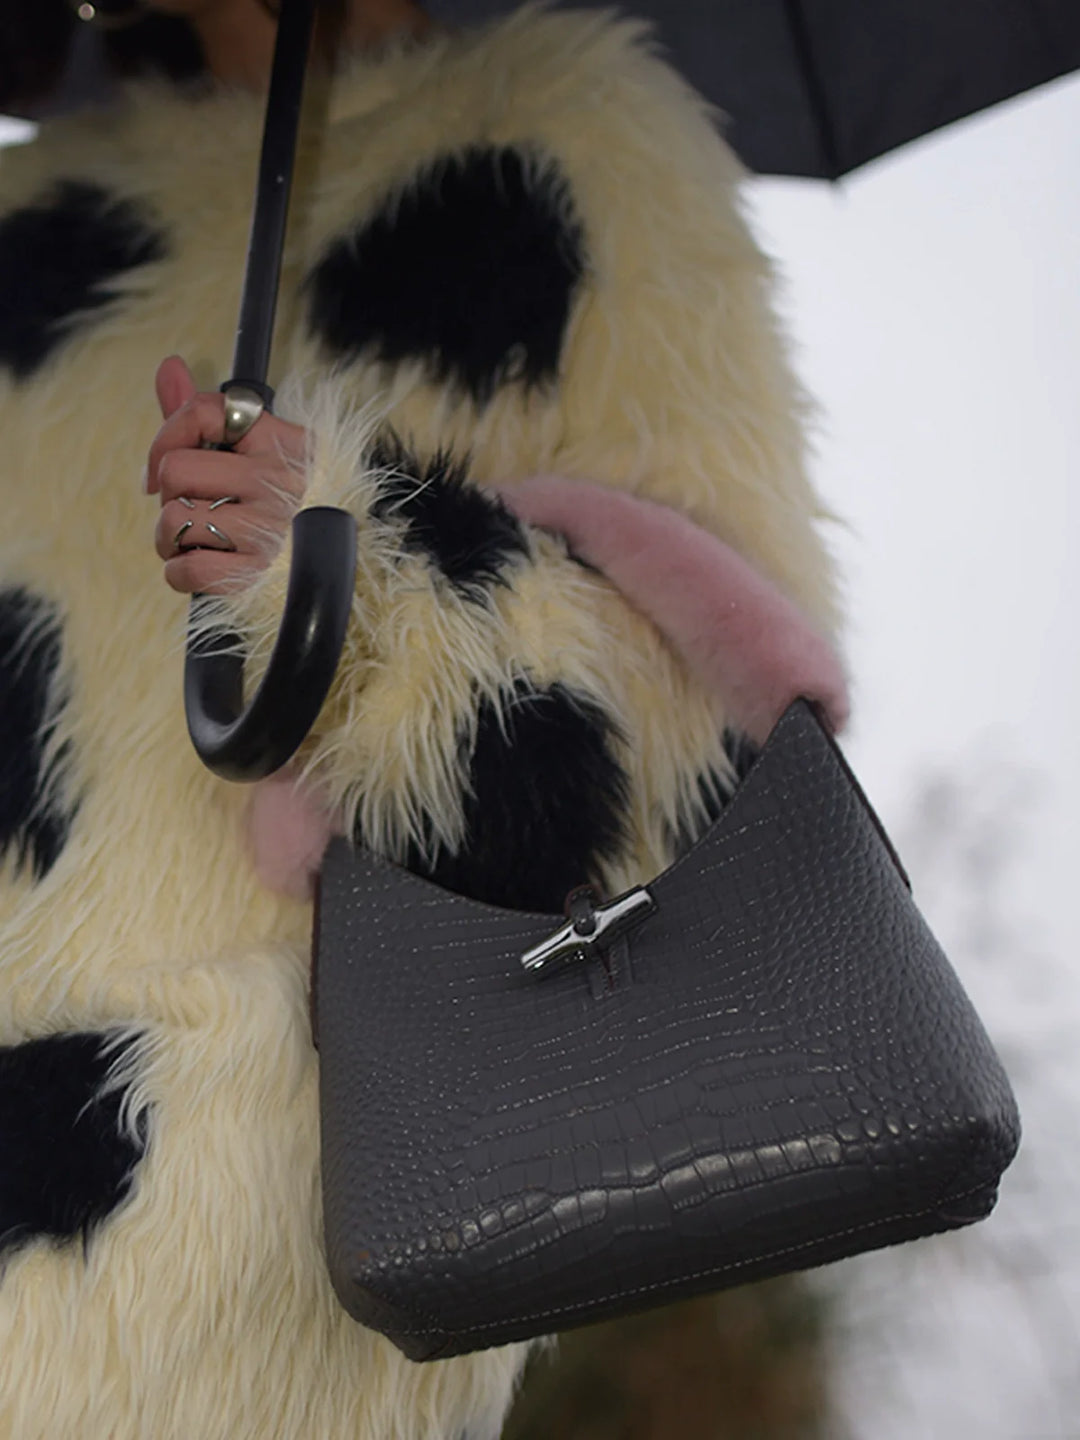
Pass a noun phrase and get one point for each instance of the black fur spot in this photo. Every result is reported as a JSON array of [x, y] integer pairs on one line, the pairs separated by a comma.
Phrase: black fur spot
[[546, 802], [32, 822], [56, 258], [470, 536], [472, 267], [66, 1159]]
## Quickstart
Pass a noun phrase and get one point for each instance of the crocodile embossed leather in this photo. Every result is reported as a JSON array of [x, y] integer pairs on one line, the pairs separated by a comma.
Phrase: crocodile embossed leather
[[775, 1068]]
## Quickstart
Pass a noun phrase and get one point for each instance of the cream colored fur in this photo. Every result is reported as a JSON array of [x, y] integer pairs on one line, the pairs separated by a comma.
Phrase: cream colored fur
[[202, 1308]]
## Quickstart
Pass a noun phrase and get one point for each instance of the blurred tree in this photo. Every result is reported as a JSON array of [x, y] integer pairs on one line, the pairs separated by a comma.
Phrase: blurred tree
[[978, 1333], [745, 1365]]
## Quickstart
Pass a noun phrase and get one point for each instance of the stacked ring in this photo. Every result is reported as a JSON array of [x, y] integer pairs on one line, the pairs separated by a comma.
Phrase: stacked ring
[[243, 407], [228, 543]]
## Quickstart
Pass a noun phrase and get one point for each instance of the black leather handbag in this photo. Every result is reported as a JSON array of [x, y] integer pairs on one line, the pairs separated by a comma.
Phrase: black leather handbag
[[758, 1063]]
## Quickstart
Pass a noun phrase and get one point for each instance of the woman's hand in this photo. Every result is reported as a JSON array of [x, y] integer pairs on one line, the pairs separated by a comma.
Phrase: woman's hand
[[223, 513]]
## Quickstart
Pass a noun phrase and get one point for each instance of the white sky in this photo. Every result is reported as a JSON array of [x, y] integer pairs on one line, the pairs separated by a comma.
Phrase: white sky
[[935, 300], [12, 130]]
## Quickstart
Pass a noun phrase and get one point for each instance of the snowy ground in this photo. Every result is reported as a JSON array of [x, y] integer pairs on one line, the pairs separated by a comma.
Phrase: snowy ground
[[936, 302]]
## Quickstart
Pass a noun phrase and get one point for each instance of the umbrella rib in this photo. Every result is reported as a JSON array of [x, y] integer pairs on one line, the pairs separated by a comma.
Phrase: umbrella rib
[[815, 89]]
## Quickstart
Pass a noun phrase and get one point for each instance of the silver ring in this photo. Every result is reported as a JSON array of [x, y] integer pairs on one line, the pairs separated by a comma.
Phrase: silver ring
[[243, 406], [230, 544], [225, 500], [184, 528]]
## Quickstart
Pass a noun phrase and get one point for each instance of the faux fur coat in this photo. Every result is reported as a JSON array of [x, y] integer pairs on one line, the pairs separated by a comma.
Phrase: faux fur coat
[[515, 250]]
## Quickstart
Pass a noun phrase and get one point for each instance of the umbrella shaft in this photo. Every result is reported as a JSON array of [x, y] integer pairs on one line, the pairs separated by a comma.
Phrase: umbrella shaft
[[258, 302]]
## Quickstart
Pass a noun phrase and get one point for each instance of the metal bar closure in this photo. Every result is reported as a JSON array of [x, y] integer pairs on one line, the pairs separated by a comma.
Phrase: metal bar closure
[[241, 743], [591, 929]]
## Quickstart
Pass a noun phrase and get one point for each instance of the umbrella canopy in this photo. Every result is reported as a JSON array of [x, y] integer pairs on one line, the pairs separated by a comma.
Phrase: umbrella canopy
[[819, 87], [812, 87]]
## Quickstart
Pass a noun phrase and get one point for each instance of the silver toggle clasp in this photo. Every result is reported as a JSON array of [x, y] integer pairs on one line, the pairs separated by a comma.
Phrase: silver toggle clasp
[[591, 929]]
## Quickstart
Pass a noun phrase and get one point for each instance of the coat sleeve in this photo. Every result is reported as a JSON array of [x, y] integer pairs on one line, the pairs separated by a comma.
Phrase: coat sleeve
[[502, 718]]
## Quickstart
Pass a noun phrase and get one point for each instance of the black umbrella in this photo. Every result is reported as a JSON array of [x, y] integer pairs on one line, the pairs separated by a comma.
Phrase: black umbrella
[[819, 87], [811, 87], [814, 87], [249, 742]]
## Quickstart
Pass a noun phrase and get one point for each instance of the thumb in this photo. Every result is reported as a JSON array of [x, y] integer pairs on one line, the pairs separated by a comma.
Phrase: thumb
[[173, 384]]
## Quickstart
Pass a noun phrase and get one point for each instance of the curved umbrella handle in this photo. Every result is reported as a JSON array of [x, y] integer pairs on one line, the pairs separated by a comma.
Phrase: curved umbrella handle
[[248, 744]]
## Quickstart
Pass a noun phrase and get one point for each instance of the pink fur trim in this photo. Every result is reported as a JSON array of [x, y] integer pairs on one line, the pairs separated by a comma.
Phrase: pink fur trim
[[288, 829], [745, 640], [750, 644]]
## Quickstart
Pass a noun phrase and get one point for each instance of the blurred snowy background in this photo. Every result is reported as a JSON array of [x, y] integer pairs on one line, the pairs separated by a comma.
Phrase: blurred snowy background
[[935, 301]]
